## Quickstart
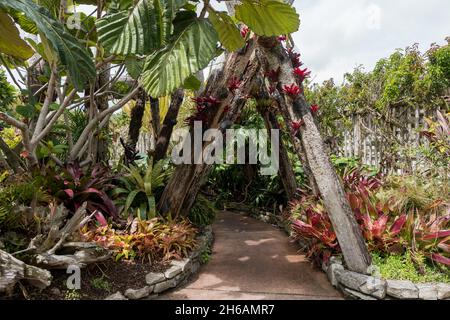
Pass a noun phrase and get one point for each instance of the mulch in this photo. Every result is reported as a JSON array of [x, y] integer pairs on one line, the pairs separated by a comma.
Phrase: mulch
[[97, 281]]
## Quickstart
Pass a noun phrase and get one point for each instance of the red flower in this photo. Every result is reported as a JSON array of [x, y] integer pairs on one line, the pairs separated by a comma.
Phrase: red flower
[[282, 38], [314, 108], [302, 74], [295, 58], [273, 75], [244, 32], [234, 84], [296, 125], [293, 90]]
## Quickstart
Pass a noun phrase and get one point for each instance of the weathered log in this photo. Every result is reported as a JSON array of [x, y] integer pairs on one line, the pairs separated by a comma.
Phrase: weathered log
[[12, 270], [181, 190], [285, 172], [137, 114], [347, 230], [80, 258]]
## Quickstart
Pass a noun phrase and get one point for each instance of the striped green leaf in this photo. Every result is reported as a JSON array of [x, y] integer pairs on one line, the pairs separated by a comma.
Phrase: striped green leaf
[[191, 50], [145, 28], [65, 47]]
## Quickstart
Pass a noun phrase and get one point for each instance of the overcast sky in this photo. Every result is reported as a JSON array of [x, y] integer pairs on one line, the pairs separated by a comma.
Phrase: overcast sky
[[337, 35]]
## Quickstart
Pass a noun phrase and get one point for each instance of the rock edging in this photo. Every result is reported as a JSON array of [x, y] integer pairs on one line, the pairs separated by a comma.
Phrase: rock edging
[[365, 287], [178, 272]]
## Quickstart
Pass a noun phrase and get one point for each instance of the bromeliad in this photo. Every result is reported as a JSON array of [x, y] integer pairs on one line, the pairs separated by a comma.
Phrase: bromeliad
[[293, 90]]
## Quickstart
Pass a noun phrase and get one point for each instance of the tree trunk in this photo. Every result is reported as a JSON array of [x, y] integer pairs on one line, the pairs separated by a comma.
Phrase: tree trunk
[[285, 172], [170, 120], [137, 114], [347, 230], [181, 190], [101, 148], [156, 121], [12, 159]]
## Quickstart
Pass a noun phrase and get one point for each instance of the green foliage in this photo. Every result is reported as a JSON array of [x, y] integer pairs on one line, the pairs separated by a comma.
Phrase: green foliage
[[405, 79], [203, 212], [268, 17], [229, 34], [101, 284], [64, 47], [162, 75], [138, 188], [10, 42], [205, 256], [402, 267], [145, 28], [8, 93], [14, 195]]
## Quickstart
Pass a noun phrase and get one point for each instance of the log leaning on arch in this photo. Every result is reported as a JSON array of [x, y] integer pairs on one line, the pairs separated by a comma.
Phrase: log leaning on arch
[[272, 56], [182, 189]]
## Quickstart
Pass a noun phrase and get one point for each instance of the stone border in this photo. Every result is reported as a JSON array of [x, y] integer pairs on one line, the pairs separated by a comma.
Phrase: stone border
[[364, 287], [178, 272]]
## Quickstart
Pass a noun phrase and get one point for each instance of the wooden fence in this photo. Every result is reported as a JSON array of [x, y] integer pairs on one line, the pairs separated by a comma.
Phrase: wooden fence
[[390, 143]]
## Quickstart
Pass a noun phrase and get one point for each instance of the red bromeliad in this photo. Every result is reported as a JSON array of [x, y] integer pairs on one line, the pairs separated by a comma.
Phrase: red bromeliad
[[293, 90], [202, 104], [302, 74], [282, 38], [273, 75], [314, 108], [244, 32], [234, 84], [296, 125], [295, 58]]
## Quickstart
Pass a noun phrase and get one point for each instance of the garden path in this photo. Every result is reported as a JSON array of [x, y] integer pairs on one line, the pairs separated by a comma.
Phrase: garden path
[[252, 260]]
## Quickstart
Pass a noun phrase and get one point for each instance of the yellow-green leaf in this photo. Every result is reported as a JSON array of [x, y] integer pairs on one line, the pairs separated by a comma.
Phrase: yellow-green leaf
[[268, 17], [229, 34], [10, 41]]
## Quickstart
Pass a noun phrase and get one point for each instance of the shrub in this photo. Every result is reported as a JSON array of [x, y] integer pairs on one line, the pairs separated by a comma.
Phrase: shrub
[[388, 224], [203, 212], [138, 188], [73, 186]]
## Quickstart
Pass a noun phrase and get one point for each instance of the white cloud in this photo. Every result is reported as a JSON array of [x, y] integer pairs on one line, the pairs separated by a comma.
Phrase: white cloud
[[336, 36]]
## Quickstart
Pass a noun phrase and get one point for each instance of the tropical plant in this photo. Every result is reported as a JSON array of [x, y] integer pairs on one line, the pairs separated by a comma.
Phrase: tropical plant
[[149, 240], [137, 190], [203, 212], [73, 186]]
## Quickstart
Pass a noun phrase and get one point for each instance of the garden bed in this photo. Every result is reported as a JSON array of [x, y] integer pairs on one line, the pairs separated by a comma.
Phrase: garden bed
[[124, 279]]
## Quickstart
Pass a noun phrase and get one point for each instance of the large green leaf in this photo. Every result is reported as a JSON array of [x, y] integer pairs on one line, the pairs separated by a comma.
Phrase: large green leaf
[[70, 52], [10, 41], [147, 27], [229, 34], [268, 17], [191, 50]]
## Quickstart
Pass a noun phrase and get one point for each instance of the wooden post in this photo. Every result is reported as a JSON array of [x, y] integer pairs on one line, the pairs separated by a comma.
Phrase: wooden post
[[347, 230], [286, 173]]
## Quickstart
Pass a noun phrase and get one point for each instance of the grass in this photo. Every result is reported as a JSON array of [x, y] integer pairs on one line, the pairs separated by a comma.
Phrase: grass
[[401, 267]]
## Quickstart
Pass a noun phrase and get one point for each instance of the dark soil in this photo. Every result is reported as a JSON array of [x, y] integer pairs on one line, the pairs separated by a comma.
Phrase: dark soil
[[97, 281]]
